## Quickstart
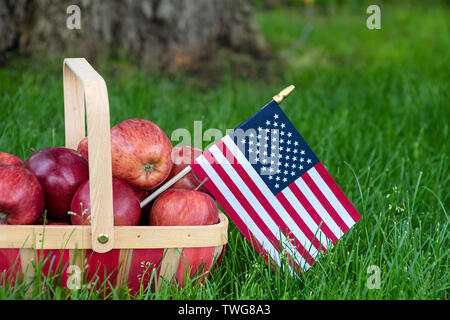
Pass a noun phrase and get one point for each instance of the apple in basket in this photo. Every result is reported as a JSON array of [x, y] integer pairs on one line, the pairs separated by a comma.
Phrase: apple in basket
[[7, 158], [126, 208], [181, 158], [140, 153], [22, 198], [179, 207], [60, 172], [145, 211], [43, 221]]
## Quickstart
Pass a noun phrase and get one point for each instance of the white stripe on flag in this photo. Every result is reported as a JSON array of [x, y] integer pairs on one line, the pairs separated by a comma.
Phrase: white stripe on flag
[[251, 225], [335, 203], [284, 215], [304, 215], [265, 216], [318, 207]]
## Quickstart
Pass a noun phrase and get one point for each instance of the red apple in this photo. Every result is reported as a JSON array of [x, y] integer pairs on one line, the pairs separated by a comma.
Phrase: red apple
[[140, 153], [22, 198], [141, 194], [145, 211], [83, 148], [40, 220], [181, 158], [56, 223], [180, 207], [7, 158], [126, 208], [60, 172]]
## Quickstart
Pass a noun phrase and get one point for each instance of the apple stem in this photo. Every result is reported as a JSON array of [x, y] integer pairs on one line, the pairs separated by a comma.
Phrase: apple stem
[[148, 167], [33, 150], [201, 184]]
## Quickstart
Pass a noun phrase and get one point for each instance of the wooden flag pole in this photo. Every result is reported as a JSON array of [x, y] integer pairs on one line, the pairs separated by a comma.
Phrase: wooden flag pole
[[278, 99]]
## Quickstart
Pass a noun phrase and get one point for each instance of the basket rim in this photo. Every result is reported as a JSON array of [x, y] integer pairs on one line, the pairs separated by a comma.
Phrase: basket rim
[[126, 237]]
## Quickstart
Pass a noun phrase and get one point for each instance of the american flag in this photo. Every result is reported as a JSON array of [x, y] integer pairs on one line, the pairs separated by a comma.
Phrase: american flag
[[275, 189]]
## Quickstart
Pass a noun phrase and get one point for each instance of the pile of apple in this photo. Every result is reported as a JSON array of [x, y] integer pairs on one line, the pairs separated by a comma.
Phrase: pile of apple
[[55, 180]]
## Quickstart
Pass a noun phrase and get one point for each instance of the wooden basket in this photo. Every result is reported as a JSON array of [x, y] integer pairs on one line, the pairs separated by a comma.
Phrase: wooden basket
[[126, 253]]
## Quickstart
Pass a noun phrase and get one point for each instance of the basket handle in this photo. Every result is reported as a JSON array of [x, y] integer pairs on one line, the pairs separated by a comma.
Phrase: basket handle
[[83, 84]]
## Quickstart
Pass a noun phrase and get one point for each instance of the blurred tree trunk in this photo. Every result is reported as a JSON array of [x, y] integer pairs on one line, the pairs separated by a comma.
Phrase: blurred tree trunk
[[161, 31], [12, 15]]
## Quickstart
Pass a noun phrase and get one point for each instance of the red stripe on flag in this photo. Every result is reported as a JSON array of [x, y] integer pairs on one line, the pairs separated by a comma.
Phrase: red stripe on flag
[[337, 192], [245, 204], [312, 212], [241, 198], [263, 201], [324, 201], [197, 168], [301, 224]]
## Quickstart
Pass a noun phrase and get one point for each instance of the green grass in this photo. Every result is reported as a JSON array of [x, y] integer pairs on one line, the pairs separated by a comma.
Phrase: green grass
[[373, 104]]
